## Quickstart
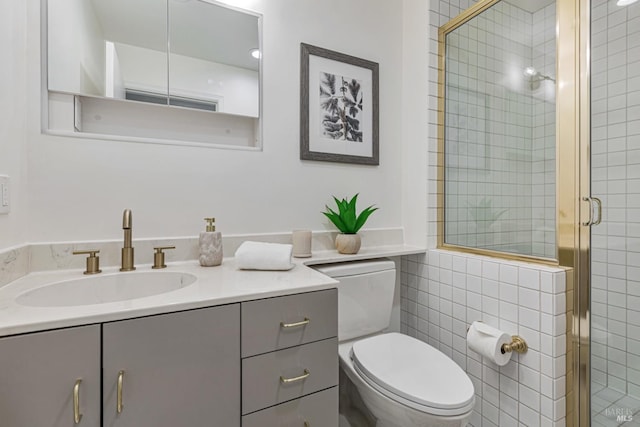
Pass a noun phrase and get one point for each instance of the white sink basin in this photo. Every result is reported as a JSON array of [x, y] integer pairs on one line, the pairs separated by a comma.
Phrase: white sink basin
[[102, 289]]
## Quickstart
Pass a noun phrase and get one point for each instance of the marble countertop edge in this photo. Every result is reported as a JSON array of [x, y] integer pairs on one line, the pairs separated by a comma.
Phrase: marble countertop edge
[[215, 286]]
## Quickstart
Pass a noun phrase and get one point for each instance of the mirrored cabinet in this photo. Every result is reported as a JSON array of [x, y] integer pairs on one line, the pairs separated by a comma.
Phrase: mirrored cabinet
[[166, 70]]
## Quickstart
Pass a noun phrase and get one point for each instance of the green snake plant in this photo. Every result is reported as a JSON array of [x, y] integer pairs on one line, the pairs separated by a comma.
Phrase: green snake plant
[[346, 219]]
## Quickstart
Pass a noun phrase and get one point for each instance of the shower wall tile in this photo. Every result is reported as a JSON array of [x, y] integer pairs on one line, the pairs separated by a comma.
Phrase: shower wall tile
[[444, 292], [615, 140], [451, 290], [544, 141], [501, 132]]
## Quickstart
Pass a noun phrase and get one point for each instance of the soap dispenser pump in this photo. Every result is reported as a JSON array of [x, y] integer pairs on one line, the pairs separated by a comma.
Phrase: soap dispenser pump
[[210, 243]]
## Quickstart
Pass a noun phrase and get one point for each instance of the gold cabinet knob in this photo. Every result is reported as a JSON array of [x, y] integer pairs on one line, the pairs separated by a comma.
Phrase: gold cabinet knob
[[158, 257], [93, 261]]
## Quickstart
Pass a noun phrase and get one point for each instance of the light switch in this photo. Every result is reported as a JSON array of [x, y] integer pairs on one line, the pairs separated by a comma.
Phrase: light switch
[[4, 195]]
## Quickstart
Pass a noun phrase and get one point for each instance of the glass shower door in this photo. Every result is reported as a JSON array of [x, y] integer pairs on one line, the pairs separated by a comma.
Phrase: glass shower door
[[615, 241]]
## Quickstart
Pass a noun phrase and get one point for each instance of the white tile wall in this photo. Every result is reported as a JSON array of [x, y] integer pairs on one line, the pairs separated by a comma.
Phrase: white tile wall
[[500, 130], [543, 167], [615, 145], [444, 292]]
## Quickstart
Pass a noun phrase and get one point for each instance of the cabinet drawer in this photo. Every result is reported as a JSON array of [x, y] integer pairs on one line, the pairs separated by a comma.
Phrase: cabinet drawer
[[319, 409], [263, 375], [270, 324]]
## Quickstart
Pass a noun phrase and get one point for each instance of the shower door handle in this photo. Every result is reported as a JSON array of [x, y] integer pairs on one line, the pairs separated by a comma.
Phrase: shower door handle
[[598, 204]]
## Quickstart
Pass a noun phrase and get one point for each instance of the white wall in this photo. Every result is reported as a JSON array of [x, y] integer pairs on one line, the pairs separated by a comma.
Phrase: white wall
[[78, 188], [415, 120], [13, 105]]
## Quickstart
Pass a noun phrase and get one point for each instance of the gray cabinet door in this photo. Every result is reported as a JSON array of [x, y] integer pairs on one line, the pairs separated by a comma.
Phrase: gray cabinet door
[[38, 373], [179, 369]]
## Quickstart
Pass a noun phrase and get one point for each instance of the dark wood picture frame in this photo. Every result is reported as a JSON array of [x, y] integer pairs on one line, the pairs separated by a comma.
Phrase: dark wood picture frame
[[369, 135]]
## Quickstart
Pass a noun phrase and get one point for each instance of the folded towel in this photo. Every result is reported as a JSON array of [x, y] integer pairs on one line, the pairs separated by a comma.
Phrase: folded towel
[[264, 256]]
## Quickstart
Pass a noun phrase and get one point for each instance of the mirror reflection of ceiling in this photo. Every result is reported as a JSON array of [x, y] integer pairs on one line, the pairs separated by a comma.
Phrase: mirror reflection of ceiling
[[198, 29], [530, 6]]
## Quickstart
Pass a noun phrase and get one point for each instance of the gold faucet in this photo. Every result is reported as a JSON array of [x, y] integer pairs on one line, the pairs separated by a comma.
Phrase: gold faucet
[[127, 250]]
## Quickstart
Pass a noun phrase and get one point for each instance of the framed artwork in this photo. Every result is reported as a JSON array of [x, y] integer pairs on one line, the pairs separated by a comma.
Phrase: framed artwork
[[338, 107]]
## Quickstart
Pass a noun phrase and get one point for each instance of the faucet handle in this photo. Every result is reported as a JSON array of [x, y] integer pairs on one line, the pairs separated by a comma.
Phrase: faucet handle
[[158, 257], [93, 261]]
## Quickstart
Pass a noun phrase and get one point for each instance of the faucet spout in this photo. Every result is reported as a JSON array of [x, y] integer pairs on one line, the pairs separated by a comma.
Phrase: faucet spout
[[126, 219], [127, 250], [127, 223]]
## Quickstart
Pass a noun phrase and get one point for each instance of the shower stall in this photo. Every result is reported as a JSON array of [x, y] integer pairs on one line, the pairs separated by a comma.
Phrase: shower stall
[[539, 160]]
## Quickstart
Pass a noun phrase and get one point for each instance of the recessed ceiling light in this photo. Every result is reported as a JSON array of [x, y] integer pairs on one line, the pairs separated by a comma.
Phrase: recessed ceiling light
[[625, 2], [256, 53], [530, 71]]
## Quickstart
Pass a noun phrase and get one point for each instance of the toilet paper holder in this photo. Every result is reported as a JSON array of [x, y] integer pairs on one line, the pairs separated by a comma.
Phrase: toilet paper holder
[[518, 344]]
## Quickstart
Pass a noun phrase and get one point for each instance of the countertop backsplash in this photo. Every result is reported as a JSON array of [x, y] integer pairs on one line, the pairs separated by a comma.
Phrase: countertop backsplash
[[14, 263], [19, 261]]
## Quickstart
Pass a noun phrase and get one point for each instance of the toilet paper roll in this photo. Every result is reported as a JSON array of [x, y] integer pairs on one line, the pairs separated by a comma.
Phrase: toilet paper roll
[[487, 341]]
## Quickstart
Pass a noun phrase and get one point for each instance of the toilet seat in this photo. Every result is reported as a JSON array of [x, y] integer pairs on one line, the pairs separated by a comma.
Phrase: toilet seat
[[413, 373]]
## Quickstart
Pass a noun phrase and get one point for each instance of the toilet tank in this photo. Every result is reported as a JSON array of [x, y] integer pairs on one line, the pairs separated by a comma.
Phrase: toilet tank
[[365, 295]]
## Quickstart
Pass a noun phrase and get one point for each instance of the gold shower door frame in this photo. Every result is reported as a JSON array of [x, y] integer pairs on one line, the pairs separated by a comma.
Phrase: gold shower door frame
[[572, 185]]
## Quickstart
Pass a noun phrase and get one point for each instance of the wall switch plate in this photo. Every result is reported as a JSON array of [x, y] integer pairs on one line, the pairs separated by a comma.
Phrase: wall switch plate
[[5, 205]]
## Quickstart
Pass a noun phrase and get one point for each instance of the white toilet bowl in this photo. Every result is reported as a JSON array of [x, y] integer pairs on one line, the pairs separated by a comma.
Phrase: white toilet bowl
[[421, 394], [401, 381]]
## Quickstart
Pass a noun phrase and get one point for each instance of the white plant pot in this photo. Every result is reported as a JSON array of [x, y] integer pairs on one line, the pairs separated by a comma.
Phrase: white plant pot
[[348, 243]]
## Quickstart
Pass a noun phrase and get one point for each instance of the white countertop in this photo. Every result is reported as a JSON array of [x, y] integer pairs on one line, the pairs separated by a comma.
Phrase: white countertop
[[214, 286]]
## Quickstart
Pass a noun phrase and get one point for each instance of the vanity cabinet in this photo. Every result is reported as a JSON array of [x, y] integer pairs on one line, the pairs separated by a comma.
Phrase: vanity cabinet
[[268, 362], [40, 373]]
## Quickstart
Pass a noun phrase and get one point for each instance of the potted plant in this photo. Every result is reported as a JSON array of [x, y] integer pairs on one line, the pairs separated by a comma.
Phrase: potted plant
[[346, 220]]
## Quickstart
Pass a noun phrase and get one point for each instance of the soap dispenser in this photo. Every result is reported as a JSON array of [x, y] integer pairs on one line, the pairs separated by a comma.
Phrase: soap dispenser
[[210, 243]]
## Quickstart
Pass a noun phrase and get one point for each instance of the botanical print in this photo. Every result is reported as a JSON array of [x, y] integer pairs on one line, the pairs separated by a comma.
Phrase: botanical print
[[340, 107]]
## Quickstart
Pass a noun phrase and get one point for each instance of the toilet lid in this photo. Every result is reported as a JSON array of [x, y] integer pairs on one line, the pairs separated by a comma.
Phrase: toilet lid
[[413, 370]]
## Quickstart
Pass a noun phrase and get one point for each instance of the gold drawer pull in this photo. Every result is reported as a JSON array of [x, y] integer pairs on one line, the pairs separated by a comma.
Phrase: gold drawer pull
[[77, 416], [119, 404], [304, 376], [295, 325]]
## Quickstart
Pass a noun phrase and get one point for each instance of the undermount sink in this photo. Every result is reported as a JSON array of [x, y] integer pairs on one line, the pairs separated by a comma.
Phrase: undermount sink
[[102, 289]]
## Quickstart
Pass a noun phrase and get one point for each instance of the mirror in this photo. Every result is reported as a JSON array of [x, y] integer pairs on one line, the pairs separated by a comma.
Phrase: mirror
[[187, 53]]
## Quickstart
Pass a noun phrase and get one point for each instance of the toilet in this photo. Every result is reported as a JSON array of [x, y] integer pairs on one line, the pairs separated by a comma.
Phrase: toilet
[[402, 382]]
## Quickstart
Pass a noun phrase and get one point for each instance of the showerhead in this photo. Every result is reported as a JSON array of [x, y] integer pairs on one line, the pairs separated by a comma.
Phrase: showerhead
[[535, 77]]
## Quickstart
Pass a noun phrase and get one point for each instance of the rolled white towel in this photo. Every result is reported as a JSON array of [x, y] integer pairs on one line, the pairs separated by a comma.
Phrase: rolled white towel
[[264, 256]]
